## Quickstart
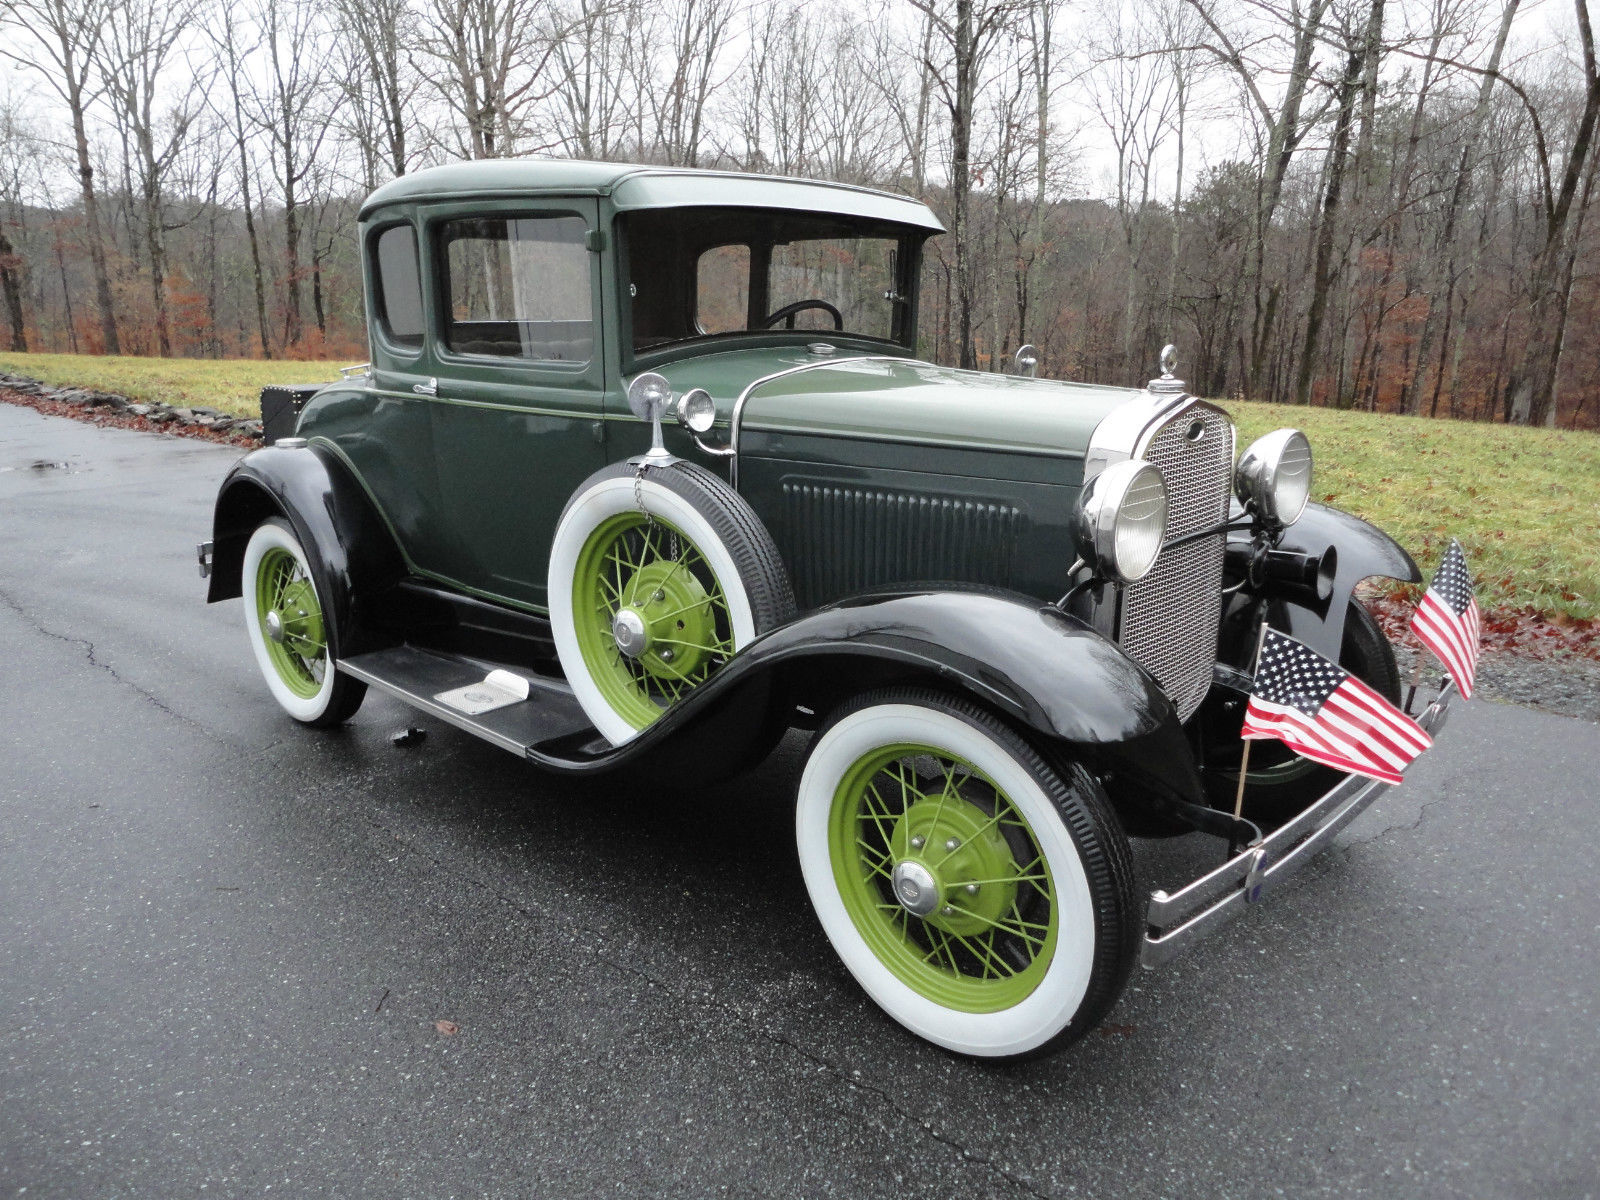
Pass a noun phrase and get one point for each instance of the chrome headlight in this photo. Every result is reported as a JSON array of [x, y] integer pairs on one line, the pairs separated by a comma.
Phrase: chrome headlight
[[1122, 520], [1273, 478]]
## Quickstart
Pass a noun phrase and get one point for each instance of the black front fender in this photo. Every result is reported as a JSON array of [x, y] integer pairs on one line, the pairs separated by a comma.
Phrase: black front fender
[[1362, 551], [352, 554], [1076, 693]]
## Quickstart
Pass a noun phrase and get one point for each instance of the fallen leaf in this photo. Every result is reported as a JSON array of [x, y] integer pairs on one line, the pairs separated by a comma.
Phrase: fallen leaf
[[448, 1028]]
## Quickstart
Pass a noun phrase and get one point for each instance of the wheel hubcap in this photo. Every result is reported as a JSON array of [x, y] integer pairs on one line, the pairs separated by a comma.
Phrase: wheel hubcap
[[917, 888], [629, 631], [290, 620]]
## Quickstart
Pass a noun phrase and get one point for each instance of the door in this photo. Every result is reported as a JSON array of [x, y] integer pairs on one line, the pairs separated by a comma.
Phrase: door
[[517, 419]]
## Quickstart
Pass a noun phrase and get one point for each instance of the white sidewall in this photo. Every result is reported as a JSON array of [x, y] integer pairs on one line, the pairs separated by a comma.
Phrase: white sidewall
[[601, 502], [1049, 1007], [267, 537]]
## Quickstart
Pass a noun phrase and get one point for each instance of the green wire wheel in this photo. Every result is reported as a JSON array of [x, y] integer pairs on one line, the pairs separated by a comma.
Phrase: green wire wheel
[[659, 575], [290, 632], [983, 898]]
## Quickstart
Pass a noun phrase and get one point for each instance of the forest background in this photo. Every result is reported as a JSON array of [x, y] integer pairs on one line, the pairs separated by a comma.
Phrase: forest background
[[1373, 204]]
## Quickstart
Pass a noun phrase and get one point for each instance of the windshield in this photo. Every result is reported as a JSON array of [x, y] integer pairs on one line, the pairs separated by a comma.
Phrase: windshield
[[697, 273]]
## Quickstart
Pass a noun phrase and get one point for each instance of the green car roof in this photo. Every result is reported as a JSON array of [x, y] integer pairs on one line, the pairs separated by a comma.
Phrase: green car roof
[[631, 186]]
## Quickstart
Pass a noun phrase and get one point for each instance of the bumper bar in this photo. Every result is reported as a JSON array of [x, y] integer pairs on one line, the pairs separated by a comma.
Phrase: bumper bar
[[1175, 922]]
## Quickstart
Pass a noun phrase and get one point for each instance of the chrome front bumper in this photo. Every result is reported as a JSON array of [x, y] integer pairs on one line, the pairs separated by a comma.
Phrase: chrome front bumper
[[1175, 922]]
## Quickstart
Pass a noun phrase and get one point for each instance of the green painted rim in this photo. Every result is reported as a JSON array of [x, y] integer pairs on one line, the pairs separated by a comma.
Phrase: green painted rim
[[283, 588], [992, 937], [640, 563]]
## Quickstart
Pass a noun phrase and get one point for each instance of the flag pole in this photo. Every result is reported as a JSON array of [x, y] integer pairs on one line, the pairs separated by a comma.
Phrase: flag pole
[[1244, 759]]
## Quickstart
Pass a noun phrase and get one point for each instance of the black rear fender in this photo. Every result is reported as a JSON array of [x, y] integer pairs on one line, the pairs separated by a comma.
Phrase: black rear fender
[[352, 554]]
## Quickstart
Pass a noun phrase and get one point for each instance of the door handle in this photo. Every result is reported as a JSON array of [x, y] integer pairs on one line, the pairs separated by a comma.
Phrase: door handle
[[431, 388]]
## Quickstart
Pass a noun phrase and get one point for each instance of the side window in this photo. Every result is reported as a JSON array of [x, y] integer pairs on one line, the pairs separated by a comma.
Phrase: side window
[[518, 287], [722, 289], [399, 285]]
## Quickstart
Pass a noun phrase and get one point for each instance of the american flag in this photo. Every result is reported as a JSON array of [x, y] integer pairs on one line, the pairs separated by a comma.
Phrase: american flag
[[1324, 713], [1448, 621]]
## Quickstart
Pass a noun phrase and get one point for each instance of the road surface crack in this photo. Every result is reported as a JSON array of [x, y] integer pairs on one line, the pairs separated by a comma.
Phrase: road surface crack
[[598, 947], [90, 654]]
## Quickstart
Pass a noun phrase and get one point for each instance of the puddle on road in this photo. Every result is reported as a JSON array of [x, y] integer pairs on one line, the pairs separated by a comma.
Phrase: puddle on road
[[42, 465]]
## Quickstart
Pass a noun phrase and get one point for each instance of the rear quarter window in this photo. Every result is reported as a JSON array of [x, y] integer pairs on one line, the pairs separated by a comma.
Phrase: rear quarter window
[[399, 286]]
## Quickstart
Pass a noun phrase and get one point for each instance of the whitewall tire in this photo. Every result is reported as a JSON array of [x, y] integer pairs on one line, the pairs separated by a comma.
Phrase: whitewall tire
[[982, 898], [290, 630]]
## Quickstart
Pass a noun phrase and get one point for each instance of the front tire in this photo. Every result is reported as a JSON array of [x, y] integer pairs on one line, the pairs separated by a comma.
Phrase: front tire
[[982, 898], [290, 631]]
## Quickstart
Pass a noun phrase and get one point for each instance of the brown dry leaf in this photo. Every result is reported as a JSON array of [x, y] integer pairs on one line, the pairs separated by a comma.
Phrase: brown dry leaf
[[448, 1028]]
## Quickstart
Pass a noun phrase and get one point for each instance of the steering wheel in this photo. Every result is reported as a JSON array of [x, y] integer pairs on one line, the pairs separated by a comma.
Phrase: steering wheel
[[788, 312]]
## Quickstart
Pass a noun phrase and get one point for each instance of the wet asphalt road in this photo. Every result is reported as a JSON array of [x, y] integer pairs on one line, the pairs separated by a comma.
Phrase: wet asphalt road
[[225, 943]]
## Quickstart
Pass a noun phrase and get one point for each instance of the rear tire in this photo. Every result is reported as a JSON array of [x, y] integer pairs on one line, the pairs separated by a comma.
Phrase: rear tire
[[982, 898], [290, 632]]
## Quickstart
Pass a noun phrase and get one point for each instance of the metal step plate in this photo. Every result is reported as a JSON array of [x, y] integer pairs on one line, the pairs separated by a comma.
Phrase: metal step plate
[[418, 676]]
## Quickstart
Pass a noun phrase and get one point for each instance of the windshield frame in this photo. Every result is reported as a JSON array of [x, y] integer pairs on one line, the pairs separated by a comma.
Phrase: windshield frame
[[908, 271]]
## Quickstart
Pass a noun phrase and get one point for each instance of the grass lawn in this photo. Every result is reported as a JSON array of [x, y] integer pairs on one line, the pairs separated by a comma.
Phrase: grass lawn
[[231, 384], [1524, 502]]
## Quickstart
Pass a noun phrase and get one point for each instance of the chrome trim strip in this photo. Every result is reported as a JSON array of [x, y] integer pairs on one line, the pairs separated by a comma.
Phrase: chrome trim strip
[[1175, 922], [737, 420], [433, 708]]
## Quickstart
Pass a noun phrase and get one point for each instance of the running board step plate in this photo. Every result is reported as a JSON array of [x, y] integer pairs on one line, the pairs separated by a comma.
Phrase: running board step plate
[[416, 676]]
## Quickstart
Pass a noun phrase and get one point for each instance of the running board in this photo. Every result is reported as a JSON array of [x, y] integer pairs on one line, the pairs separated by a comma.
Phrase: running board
[[550, 713]]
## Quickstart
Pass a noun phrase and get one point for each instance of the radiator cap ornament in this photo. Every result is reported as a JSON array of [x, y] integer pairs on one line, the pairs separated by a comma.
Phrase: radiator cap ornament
[[1167, 384]]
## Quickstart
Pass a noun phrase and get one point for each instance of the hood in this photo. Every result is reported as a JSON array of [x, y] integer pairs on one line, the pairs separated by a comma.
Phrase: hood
[[901, 400]]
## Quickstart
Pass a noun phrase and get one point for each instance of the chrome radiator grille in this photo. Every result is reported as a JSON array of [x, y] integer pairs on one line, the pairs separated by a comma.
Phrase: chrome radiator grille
[[1168, 623]]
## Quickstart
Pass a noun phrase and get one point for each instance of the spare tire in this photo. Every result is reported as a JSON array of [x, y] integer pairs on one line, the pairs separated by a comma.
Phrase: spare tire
[[658, 576]]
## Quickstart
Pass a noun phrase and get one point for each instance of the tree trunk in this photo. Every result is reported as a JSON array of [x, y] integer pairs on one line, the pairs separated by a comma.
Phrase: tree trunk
[[91, 212], [1465, 167], [1533, 394], [961, 174], [11, 286]]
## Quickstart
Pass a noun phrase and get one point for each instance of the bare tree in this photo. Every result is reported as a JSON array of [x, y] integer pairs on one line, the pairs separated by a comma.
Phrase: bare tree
[[19, 163], [967, 31], [68, 34], [290, 111], [1562, 208], [156, 113], [228, 38]]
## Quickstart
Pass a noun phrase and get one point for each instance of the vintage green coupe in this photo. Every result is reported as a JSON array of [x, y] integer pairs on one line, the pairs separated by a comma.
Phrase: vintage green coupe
[[645, 472]]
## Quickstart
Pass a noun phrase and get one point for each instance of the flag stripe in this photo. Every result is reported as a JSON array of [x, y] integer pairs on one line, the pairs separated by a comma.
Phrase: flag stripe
[[1383, 714], [1443, 625], [1448, 621], [1293, 736], [1438, 639], [1315, 737], [1325, 714]]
